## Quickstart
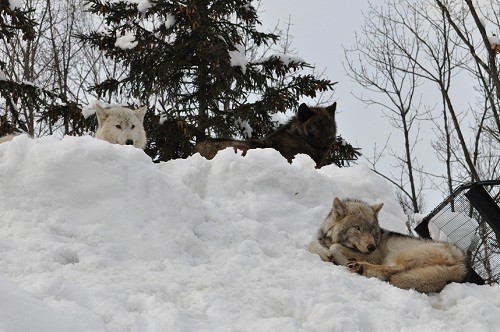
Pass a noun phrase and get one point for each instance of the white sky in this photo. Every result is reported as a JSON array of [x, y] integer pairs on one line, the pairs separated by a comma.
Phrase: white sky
[[319, 31]]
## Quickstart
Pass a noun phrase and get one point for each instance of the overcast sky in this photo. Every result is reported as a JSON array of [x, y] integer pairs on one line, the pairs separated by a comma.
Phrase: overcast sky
[[321, 29]]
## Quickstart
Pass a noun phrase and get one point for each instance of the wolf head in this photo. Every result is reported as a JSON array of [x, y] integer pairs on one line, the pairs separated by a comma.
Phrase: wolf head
[[353, 224], [312, 131], [317, 124], [120, 125]]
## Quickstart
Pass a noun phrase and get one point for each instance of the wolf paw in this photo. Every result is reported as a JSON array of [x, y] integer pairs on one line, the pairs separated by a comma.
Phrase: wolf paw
[[355, 267]]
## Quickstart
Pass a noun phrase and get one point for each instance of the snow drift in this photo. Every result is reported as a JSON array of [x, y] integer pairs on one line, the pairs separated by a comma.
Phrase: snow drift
[[96, 237]]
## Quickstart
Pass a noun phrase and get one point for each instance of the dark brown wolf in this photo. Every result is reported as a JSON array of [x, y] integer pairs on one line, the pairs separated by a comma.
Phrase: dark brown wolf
[[351, 236], [312, 131]]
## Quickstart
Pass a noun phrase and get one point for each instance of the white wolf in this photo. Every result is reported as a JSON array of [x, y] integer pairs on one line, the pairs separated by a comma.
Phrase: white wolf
[[121, 125]]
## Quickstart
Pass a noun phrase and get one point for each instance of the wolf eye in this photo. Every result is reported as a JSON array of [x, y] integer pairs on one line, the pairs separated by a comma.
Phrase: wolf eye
[[357, 228], [118, 126], [133, 126]]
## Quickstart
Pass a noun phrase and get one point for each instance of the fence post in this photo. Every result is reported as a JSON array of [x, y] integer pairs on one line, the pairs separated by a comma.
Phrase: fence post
[[486, 206]]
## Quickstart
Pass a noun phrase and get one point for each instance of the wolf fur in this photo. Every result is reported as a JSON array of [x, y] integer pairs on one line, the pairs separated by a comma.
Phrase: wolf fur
[[351, 236], [209, 147], [121, 125], [312, 131], [6, 138]]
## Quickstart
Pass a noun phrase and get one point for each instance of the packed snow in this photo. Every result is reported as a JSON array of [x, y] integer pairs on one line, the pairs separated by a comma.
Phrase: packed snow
[[96, 237]]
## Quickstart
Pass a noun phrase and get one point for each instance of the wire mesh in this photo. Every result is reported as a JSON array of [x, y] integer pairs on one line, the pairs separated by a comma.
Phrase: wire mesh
[[457, 221]]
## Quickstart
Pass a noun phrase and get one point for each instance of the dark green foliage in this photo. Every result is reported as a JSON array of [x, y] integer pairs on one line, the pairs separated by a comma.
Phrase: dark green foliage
[[342, 153], [43, 107], [168, 138], [69, 116], [15, 20], [16, 94]]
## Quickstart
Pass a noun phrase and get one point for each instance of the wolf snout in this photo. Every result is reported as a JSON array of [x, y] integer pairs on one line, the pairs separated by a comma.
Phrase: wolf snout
[[129, 142], [371, 247]]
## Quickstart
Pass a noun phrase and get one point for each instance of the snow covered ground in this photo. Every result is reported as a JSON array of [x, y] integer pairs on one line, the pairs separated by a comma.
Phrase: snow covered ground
[[95, 237]]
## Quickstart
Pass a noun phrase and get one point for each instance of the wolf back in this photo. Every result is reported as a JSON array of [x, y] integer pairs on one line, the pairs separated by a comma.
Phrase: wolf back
[[312, 131], [209, 147]]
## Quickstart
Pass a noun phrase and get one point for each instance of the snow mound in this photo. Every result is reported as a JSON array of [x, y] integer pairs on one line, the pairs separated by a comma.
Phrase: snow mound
[[97, 237]]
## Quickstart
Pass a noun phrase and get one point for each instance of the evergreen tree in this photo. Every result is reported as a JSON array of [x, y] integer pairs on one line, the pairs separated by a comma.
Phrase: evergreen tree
[[13, 20], [187, 60]]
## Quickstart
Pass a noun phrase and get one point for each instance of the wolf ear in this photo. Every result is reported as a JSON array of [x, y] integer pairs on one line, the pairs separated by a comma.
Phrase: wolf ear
[[304, 113], [332, 108], [141, 112], [102, 114], [377, 208], [340, 209]]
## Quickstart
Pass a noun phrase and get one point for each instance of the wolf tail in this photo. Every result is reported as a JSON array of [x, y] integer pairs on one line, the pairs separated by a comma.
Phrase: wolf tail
[[429, 279]]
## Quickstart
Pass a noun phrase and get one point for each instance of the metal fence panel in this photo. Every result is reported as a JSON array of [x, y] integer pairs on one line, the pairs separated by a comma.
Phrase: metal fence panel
[[470, 218]]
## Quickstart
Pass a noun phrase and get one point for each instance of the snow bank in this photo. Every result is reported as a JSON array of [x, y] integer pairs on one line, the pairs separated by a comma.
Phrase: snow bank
[[96, 236], [19, 311]]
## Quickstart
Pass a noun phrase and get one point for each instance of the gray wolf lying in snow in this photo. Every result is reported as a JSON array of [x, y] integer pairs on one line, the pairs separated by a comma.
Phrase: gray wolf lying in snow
[[351, 236], [121, 125]]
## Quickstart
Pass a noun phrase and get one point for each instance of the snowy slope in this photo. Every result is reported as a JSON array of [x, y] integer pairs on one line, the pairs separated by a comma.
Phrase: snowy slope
[[95, 237]]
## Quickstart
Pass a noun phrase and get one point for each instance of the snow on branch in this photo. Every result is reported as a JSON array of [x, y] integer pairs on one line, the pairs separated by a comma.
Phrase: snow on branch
[[126, 41], [238, 58], [495, 43], [284, 58], [142, 5]]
